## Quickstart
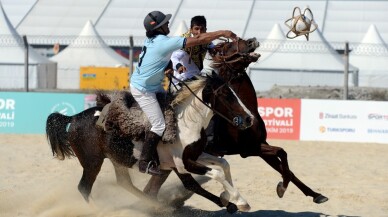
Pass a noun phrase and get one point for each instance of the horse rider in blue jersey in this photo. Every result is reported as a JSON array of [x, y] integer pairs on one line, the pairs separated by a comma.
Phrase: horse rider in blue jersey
[[147, 78]]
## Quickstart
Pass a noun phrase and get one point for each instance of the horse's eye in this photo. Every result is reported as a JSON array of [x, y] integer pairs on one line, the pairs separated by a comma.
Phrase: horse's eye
[[227, 94]]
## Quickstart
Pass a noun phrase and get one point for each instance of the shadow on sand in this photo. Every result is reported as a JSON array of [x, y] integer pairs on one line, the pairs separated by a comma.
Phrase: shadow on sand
[[181, 194], [193, 212]]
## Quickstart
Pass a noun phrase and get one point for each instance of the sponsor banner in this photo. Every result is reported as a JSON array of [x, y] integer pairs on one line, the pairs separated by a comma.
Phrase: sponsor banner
[[347, 121], [28, 112], [281, 117]]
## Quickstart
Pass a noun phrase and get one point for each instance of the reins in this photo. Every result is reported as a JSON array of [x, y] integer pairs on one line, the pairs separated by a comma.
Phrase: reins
[[226, 60], [195, 95]]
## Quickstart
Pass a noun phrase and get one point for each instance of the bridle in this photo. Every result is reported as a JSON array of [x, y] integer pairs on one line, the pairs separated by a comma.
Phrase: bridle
[[236, 121], [227, 60]]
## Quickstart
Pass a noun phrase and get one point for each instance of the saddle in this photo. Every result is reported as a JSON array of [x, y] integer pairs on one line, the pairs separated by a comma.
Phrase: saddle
[[123, 116]]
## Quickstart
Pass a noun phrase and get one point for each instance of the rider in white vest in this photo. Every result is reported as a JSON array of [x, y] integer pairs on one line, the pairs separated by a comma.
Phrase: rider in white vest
[[189, 62]]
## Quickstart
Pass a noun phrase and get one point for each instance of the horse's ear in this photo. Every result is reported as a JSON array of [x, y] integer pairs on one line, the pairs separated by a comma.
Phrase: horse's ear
[[214, 74]]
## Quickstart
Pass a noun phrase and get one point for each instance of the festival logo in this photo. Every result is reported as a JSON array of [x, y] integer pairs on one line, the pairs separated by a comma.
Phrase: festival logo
[[7, 113], [64, 108], [281, 117], [7, 109]]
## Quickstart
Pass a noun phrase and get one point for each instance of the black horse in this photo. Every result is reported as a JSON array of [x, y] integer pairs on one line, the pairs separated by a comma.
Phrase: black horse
[[91, 144]]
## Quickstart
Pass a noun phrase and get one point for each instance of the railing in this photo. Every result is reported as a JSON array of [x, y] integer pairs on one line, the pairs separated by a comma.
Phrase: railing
[[48, 46], [267, 45]]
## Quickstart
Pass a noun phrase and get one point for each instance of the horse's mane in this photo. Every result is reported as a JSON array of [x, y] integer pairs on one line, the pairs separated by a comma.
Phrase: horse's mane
[[183, 93]]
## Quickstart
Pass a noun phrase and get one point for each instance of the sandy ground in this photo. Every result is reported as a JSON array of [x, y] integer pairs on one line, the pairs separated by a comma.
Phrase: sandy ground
[[325, 92], [354, 177]]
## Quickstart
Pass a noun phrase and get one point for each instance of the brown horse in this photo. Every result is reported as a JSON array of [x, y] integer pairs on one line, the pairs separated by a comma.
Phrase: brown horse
[[251, 142], [231, 60], [91, 144]]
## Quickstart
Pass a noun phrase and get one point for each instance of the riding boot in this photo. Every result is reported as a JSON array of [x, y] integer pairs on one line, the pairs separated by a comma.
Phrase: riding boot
[[148, 162]]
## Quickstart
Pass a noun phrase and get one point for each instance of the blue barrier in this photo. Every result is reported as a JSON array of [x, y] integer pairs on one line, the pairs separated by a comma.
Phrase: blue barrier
[[22, 113]]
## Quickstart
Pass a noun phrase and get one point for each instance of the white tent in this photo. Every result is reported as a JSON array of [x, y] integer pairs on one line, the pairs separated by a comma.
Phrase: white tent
[[182, 28], [12, 59], [273, 41], [301, 62], [88, 49], [341, 20], [60, 18], [17, 9], [373, 69]]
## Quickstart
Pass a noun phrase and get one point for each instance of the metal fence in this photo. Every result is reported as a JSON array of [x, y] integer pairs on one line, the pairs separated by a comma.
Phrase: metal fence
[[45, 45], [267, 45]]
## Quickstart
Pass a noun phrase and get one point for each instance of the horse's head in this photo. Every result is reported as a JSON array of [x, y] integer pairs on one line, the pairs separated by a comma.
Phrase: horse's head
[[225, 103], [235, 55]]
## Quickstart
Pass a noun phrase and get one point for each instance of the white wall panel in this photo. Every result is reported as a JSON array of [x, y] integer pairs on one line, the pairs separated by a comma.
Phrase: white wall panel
[[345, 121]]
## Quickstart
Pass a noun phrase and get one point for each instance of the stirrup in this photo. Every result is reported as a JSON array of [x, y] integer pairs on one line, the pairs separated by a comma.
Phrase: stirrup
[[150, 165]]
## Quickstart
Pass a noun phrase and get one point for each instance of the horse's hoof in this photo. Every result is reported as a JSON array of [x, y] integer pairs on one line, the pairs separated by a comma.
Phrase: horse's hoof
[[320, 199], [280, 189], [244, 208], [224, 197], [231, 208]]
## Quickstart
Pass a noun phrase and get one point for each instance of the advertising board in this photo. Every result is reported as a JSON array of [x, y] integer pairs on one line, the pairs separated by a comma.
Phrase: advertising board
[[347, 121], [28, 112], [281, 117]]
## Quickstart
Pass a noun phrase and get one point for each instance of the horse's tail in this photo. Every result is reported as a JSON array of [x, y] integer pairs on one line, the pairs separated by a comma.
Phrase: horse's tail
[[56, 134]]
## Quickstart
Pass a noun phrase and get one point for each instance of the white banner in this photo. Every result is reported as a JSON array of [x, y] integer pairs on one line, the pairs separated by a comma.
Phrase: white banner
[[347, 121]]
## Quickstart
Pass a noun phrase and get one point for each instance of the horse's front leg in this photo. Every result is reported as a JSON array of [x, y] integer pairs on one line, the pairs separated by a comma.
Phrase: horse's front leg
[[232, 194], [282, 166], [192, 153], [124, 180], [155, 183], [210, 160], [192, 185], [270, 154]]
